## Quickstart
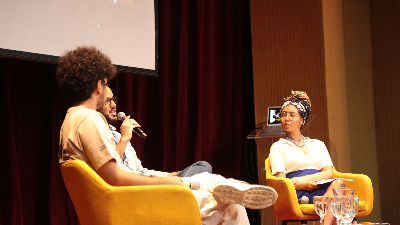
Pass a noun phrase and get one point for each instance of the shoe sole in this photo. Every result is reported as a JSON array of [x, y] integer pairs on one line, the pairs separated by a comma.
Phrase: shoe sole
[[252, 197]]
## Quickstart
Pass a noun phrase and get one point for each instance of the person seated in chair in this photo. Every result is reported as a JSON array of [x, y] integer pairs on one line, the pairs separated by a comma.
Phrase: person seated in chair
[[83, 75], [128, 157], [305, 161]]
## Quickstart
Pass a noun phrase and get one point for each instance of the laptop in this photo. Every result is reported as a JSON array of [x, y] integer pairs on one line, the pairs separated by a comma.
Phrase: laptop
[[273, 122]]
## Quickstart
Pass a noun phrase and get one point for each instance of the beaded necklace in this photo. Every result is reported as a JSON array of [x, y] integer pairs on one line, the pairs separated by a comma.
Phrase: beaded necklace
[[300, 145]]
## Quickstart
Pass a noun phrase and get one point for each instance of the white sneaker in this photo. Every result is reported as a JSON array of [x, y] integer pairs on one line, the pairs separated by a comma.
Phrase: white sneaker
[[249, 196]]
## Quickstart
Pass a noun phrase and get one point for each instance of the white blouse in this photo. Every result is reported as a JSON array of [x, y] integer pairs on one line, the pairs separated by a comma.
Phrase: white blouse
[[286, 157]]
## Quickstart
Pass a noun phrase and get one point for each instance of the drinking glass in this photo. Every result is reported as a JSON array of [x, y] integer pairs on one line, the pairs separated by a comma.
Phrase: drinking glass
[[337, 207], [343, 191], [321, 204], [351, 209]]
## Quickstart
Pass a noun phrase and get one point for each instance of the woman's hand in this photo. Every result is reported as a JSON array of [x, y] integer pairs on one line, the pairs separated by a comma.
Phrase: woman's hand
[[299, 180], [306, 186]]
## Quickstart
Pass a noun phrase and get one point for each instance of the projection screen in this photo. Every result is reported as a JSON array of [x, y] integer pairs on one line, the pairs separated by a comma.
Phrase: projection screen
[[42, 30]]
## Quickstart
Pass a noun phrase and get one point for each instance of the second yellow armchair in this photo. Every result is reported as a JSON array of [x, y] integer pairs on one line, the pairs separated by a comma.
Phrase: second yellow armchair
[[287, 207]]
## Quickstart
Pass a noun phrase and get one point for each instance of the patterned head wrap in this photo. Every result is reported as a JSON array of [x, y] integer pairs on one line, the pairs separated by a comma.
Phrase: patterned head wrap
[[304, 107]]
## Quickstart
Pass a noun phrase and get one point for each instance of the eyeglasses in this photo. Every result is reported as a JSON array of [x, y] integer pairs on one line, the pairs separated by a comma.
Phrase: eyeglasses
[[292, 116], [108, 100]]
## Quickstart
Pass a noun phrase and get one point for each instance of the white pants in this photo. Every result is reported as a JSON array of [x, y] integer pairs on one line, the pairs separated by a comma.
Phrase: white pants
[[211, 211]]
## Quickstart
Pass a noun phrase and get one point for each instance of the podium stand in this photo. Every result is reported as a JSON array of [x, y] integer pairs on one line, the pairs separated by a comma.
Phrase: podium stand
[[263, 145]]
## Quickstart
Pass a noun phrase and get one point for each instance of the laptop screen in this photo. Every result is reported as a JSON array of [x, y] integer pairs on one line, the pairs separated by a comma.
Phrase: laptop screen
[[273, 116]]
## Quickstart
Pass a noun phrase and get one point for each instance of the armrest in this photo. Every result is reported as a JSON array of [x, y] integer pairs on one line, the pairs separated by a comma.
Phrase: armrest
[[286, 206], [363, 188], [146, 204]]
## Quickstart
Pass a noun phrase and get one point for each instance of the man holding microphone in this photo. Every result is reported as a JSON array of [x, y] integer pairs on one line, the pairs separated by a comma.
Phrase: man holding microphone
[[83, 75]]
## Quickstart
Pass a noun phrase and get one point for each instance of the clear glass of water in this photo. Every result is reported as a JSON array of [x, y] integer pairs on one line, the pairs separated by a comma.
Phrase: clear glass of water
[[343, 191], [337, 207], [321, 205], [351, 209]]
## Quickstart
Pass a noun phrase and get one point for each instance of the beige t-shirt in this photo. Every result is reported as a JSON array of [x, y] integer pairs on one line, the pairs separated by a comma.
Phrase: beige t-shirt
[[85, 136]]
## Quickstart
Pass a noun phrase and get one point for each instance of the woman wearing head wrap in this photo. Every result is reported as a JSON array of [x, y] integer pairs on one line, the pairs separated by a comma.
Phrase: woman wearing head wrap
[[305, 161]]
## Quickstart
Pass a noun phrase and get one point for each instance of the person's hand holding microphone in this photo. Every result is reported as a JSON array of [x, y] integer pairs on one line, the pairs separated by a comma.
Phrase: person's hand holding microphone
[[127, 127], [132, 124]]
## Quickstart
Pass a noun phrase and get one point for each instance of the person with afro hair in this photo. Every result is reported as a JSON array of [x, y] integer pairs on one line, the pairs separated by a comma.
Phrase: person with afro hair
[[82, 75]]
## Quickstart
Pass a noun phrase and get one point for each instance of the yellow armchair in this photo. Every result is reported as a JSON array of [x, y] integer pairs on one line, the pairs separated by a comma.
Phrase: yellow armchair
[[97, 202], [287, 207]]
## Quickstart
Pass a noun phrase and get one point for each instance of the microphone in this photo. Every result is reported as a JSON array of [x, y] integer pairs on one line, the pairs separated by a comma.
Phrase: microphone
[[121, 116], [194, 185]]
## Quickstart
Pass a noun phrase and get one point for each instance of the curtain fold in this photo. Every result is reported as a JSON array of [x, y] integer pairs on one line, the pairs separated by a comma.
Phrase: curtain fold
[[10, 204], [200, 108]]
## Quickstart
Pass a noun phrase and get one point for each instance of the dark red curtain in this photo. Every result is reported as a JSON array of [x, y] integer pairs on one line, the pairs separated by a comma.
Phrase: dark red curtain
[[199, 108]]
